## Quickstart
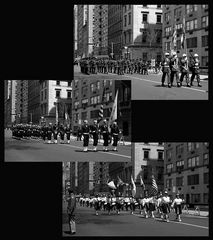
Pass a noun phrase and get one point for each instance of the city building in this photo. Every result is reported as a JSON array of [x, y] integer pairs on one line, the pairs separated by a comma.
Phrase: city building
[[186, 170], [100, 30], [66, 177], [75, 31], [115, 28], [9, 102], [55, 101], [21, 103], [34, 101], [101, 176], [195, 19], [85, 30], [142, 32]]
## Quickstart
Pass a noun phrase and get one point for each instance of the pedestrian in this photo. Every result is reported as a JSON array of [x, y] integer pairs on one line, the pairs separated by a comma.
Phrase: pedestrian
[[94, 129], [71, 208], [165, 206], [195, 64], [184, 67], [85, 131], [114, 133], [174, 67], [166, 70], [177, 204], [105, 133]]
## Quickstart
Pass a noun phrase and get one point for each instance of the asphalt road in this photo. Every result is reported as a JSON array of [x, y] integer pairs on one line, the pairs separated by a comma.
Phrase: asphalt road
[[125, 224], [148, 87], [27, 150]]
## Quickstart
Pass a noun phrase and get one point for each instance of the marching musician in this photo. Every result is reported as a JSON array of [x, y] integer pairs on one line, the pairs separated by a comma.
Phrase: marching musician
[[152, 206], [96, 203], [140, 200], [85, 132], [94, 129], [177, 204], [68, 133], [105, 133], [195, 64], [62, 133], [119, 202], [114, 132], [165, 201]]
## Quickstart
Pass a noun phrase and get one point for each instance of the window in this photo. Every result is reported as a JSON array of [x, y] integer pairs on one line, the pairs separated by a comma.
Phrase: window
[[206, 178], [69, 83], [129, 18], [58, 94], [206, 198], [45, 94], [168, 154], [204, 6], [191, 8], [193, 179], [146, 154], [42, 96], [204, 61], [195, 198], [177, 12], [192, 162], [191, 42], [94, 114], [58, 83], [179, 149], [167, 16], [144, 36], [84, 115], [169, 168], [169, 183], [168, 31], [69, 94], [76, 93], [180, 165], [179, 27], [205, 41], [190, 25], [76, 104], [179, 181], [84, 102], [160, 155], [205, 21], [158, 18], [125, 21], [158, 6], [167, 46], [98, 85], [144, 18], [205, 158]]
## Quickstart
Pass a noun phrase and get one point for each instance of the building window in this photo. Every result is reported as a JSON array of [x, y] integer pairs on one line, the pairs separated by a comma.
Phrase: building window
[[160, 155], [169, 168], [146, 154], [84, 115], [191, 42], [144, 18], [42, 96], [193, 179], [204, 61], [167, 17], [144, 5], [69, 94], [125, 21], [206, 198], [168, 154], [192, 162], [204, 6], [169, 183], [205, 41], [58, 83], [129, 18], [158, 6], [195, 198], [45, 94], [205, 21], [158, 18], [167, 46], [168, 31], [206, 178], [190, 25], [58, 93], [180, 165], [191, 8], [179, 181], [179, 149], [205, 158], [76, 104], [69, 83]]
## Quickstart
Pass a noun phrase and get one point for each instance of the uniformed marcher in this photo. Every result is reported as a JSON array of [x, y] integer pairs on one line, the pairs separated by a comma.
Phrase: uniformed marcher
[[165, 201], [184, 67], [105, 134], [195, 64], [62, 133], [68, 132], [49, 133], [94, 129], [71, 207], [55, 133], [177, 204], [85, 132], [174, 66], [114, 133], [166, 70]]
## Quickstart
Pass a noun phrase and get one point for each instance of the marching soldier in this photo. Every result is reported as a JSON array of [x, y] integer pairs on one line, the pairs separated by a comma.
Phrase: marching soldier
[[127, 202], [109, 203], [114, 133], [96, 203], [177, 204], [95, 131], [195, 64], [105, 134], [165, 201], [55, 133], [68, 133], [85, 133], [166, 70], [174, 69], [62, 132], [184, 66], [49, 133]]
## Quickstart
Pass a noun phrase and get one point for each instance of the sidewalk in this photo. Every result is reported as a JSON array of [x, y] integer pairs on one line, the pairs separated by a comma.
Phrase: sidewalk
[[196, 213]]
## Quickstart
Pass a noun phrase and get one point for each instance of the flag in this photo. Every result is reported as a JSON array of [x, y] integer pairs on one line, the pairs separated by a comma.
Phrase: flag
[[183, 36], [101, 111], [154, 187], [133, 187], [111, 185], [56, 114], [120, 182], [113, 115], [142, 183], [174, 37]]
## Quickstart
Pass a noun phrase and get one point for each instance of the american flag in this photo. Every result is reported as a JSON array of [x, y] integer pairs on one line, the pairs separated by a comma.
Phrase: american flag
[[154, 187], [183, 36], [101, 111], [174, 37]]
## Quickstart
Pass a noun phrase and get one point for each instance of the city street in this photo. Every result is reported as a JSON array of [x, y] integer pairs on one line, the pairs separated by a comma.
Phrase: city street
[[125, 224], [27, 150], [148, 87]]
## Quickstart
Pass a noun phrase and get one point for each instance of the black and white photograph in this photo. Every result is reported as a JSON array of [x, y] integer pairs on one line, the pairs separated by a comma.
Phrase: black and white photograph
[[57, 121], [163, 49], [164, 191]]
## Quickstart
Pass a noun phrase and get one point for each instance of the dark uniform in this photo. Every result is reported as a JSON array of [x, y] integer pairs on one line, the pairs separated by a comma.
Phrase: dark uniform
[[105, 133], [184, 67], [94, 129], [62, 133], [71, 207], [114, 133], [49, 133], [195, 64], [166, 71], [68, 133], [174, 70], [55, 133], [85, 133]]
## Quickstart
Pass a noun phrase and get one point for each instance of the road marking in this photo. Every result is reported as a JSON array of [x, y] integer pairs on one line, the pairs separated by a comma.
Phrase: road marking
[[193, 225], [147, 80], [99, 151]]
